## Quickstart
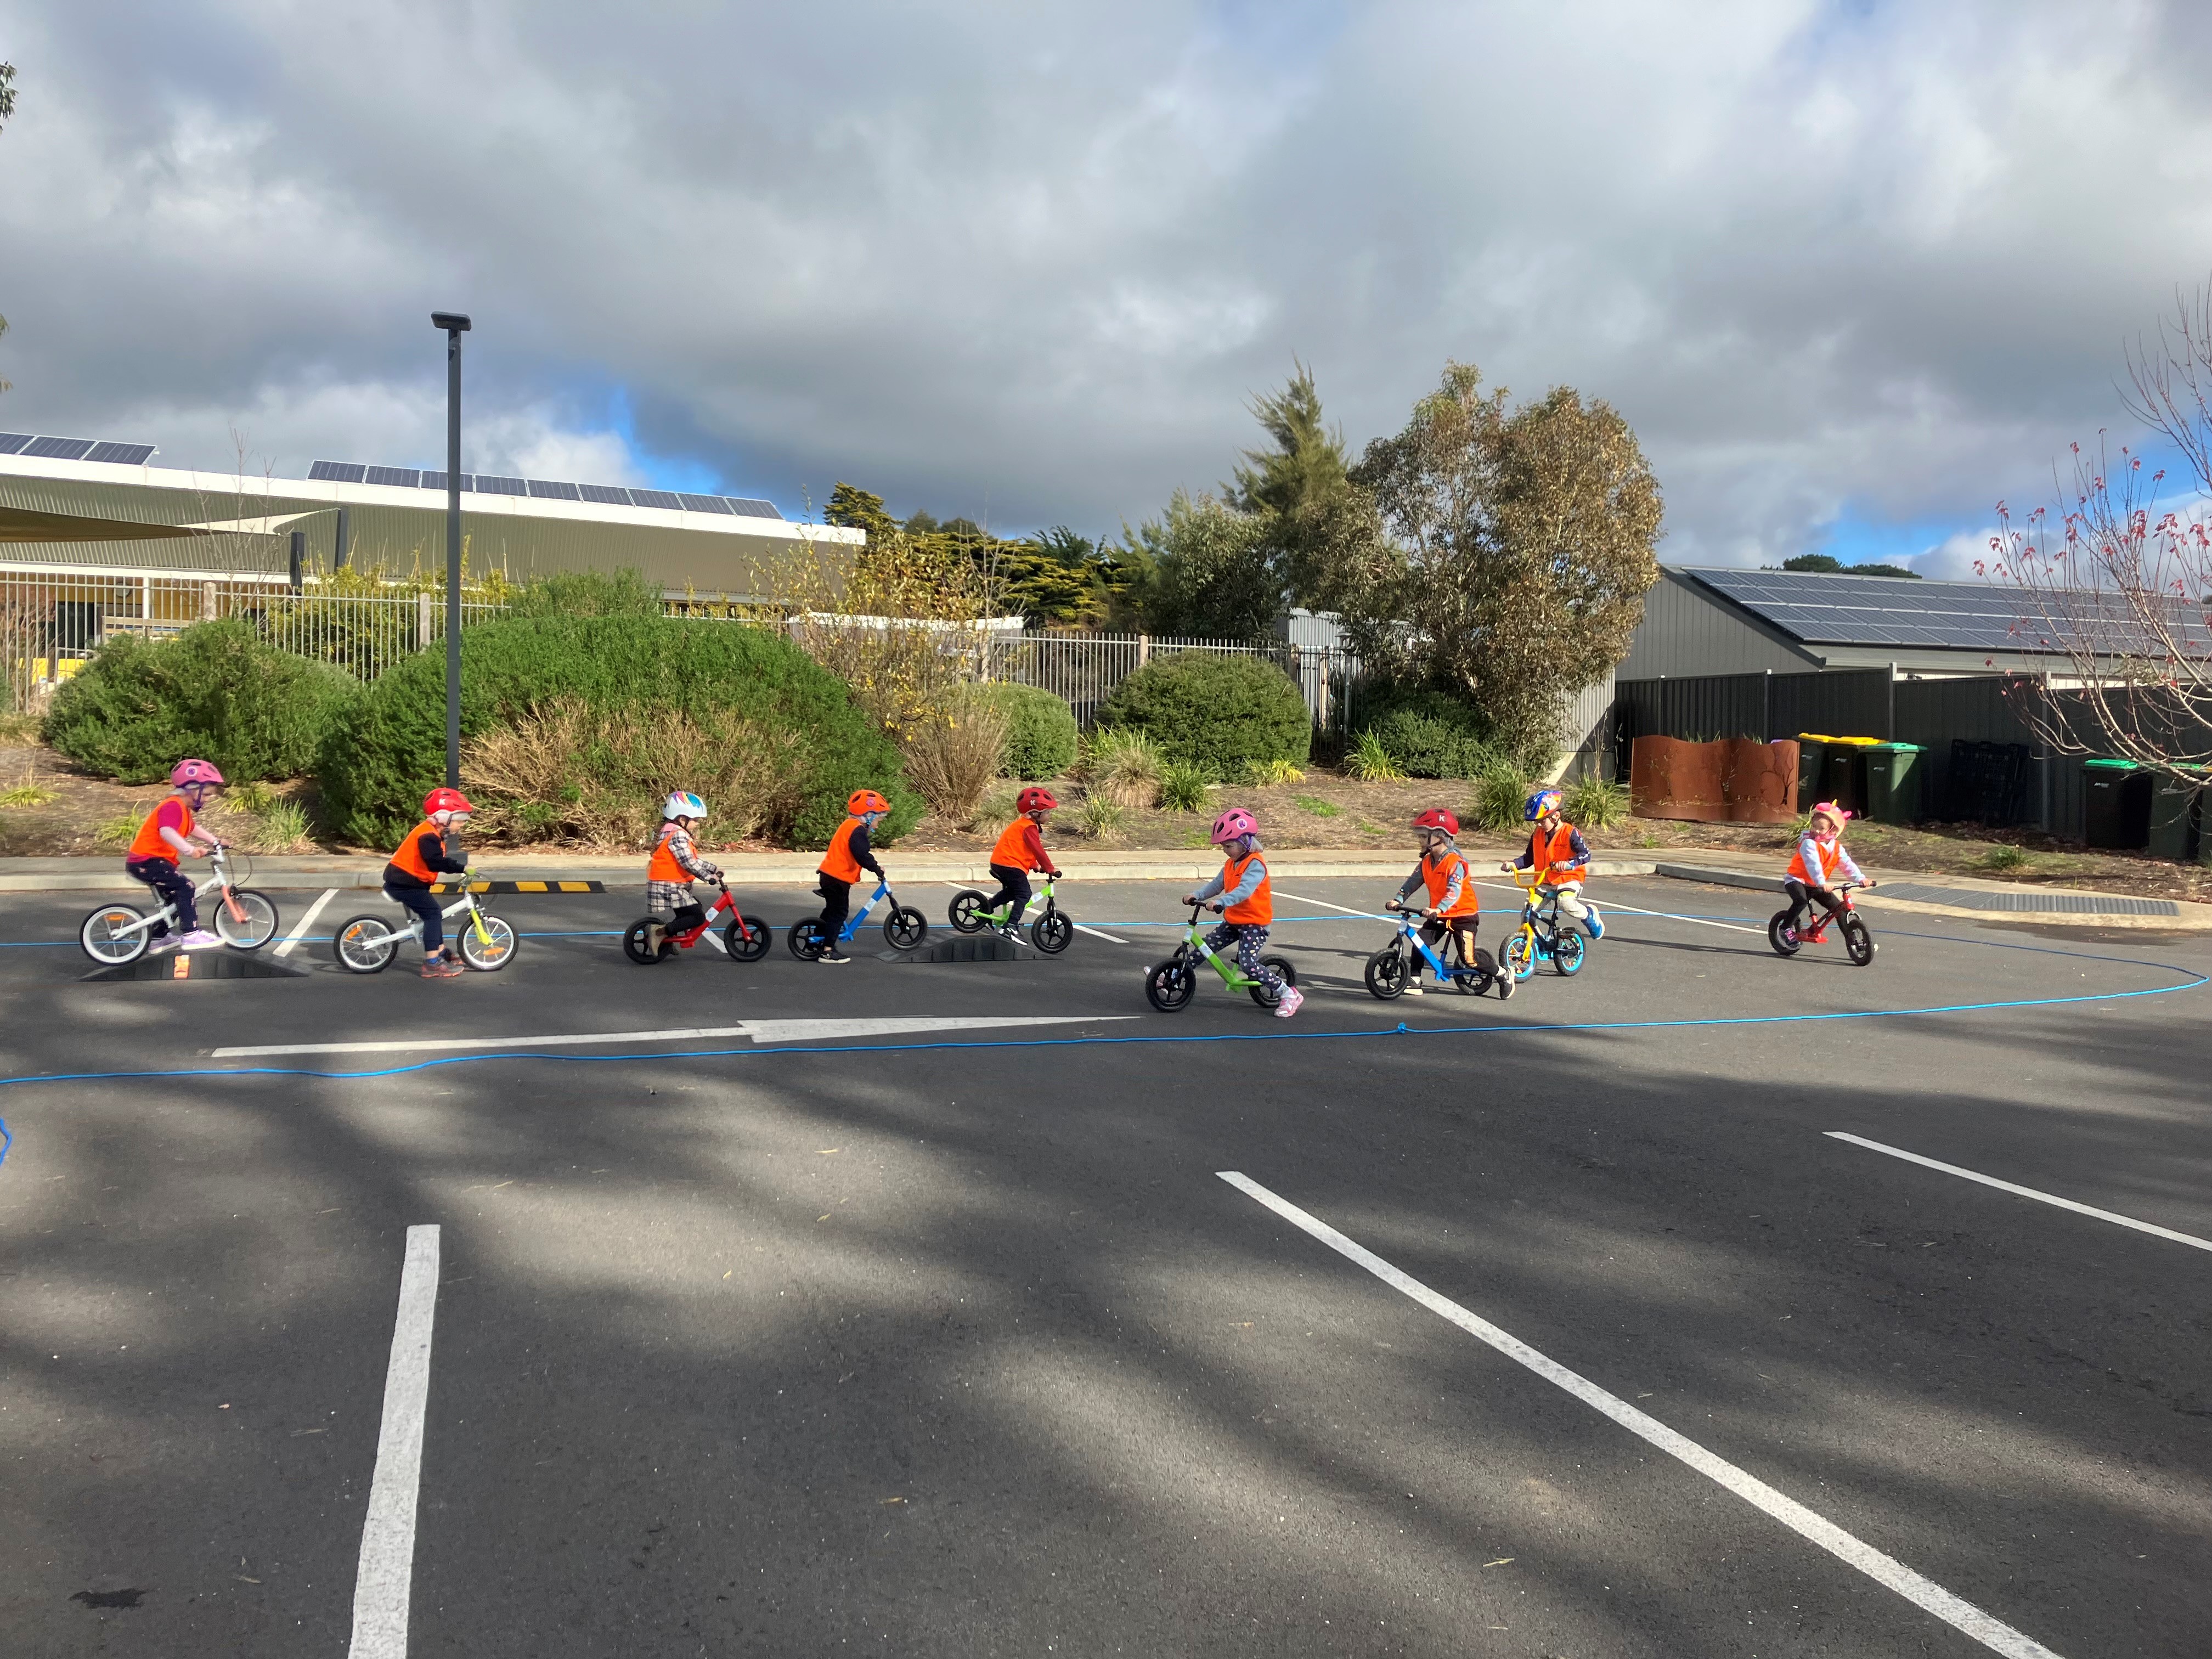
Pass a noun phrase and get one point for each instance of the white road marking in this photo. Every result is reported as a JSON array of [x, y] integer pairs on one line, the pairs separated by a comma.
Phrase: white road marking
[[1095, 933], [1371, 915], [760, 1030], [381, 1589], [1960, 1614], [2024, 1192], [299, 927]]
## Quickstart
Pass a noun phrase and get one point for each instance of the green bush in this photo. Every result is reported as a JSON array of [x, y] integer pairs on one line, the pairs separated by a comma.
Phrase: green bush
[[1182, 787], [1430, 734], [216, 690], [376, 767], [1040, 731], [1500, 794], [587, 593], [1219, 713], [1594, 803]]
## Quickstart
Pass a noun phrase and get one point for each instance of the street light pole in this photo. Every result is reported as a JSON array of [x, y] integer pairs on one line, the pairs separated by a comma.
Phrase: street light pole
[[455, 324]]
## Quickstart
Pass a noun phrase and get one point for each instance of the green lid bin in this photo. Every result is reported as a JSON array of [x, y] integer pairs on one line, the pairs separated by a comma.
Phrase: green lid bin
[[1895, 778], [2177, 815], [2115, 797]]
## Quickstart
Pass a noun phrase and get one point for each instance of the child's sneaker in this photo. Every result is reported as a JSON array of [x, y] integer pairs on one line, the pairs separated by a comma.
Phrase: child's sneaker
[[198, 939], [1596, 925], [160, 943], [832, 954], [1290, 1002], [1504, 982], [1412, 984], [442, 968]]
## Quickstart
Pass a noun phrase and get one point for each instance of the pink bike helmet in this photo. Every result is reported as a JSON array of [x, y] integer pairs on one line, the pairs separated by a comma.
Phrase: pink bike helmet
[[193, 771], [1834, 814], [1233, 822]]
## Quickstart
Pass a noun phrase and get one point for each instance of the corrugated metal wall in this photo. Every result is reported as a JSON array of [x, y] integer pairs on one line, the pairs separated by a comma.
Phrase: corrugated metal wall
[[1685, 633]]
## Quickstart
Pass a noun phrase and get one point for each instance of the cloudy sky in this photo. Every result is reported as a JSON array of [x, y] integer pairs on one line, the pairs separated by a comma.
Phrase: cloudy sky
[[1853, 271]]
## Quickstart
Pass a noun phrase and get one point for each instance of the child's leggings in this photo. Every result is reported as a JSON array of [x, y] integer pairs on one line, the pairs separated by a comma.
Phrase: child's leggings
[[423, 905], [1249, 937], [174, 887], [1801, 895]]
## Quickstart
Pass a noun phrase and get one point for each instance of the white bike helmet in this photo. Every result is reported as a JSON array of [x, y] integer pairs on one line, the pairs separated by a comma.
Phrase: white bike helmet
[[682, 803]]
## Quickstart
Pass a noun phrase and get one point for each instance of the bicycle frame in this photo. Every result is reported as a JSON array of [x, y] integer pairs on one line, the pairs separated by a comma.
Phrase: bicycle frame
[[852, 927], [218, 876], [1000, 917], [1409, 929], [466, 902], [1817, 934], [1194, 941]]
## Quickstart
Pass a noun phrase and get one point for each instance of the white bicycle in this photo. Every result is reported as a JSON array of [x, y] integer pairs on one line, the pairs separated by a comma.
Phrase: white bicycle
[[368, 944], [244, 919]]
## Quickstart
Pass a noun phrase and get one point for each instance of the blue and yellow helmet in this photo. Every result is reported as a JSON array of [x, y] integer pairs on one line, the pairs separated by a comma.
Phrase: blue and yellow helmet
[[1543, 801]]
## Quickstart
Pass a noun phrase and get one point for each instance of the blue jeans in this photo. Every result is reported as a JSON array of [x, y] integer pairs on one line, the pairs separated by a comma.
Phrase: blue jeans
[[423, 903], [174, 886]]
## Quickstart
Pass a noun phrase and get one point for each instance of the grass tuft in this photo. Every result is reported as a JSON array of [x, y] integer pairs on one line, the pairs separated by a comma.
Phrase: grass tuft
[[1320, 808]]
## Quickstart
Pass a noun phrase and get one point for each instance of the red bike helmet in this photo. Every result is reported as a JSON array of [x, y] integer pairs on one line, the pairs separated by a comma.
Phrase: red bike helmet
[[1033, 800], [1233, 822], [193, 771], [445, 800], [866, 800], [1437, 818]]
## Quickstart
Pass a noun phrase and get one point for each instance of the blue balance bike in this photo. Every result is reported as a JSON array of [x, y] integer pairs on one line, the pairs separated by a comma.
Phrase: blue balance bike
[[905, 927], [1391, 968]]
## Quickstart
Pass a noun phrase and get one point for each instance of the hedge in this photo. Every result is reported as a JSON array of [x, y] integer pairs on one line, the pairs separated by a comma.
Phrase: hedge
[[1430, 734], [1215, 712], [1040, 731], [377, 764], [216, 690]]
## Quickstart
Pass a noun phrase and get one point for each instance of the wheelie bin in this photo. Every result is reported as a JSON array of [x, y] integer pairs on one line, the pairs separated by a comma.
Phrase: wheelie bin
[[1847, 773], [1894, 782], [1811, 768], [2177, 815], [2115, 805]]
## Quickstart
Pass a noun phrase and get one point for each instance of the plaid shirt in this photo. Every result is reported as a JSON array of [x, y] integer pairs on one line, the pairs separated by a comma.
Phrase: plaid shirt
[[669, 897]]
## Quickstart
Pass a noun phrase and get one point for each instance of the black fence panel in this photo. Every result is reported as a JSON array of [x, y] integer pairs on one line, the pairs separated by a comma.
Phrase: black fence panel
[[1848, 703]]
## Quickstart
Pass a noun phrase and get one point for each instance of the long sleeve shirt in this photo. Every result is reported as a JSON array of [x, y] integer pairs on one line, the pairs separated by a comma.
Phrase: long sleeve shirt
[[1809, 855], [1582, 852], [1254, 873], [862, 854], [1417, 882]]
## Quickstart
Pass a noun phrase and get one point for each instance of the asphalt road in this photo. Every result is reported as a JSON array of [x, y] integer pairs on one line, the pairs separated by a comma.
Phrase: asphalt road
[[956, 1342]]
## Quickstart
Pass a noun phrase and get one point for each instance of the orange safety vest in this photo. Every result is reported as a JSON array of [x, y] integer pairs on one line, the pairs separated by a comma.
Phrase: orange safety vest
[[664, 866], [1013, 847], [1558, 854], [1259, 908], [1831, 854], [1438, 877], [148, 843], [410, 858], [839, 862]]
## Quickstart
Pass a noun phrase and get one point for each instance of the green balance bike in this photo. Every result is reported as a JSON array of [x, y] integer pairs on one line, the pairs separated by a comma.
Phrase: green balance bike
[[1170, 985], [1051, 932]]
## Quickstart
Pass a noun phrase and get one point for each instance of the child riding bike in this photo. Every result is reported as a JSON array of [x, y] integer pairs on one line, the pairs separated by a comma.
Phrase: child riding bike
[[1818, 864], [1020, 849], [676, 864], [170, 833], [424, 856], [1247, 905], [1557, 858], [1453, 910], [841, 865]]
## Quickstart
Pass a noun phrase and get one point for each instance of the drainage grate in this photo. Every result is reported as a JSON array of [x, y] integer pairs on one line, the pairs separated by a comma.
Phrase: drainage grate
[[1973, 899], [198, 964]]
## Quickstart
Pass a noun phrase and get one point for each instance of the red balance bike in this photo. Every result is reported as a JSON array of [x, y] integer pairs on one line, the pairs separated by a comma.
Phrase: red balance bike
[[745, 937], [1858, 944]]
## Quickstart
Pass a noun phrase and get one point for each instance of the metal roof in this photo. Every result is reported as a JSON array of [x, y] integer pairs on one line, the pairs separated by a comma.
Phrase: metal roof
[[544, 489]]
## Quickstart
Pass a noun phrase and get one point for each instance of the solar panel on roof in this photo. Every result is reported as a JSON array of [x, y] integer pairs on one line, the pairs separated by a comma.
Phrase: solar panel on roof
[[121, 454], [657, 498], [705, 503], [546, 490], [490, 483], [751, 506], [604, 494], [437, 481], [398, 477], [58, 449], [12, 441], [337, 472]]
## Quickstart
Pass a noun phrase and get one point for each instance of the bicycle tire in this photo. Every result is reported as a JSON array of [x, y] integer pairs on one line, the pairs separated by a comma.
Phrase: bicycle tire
[[1475, 981], [262, 919], [1170, 986], [804, 940], [965, 912], [488, 959], [1283, 968], [1859, 942], [634, 937], [1520, 956], [1568, 952], [1386, 973], [905, 927], [1782, 946], [747, 938], [98, 938], [1052, 932], [365, 944]]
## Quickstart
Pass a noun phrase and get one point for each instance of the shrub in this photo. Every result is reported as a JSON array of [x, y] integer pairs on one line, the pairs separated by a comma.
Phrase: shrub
[[376, 766], [216, 690], [1369, 761], [1261, 774], [1594, 803], [1124, 767], [587, 593], [1430, 734], [1217, 712], [1182, 787], [1498, 797], [1041, 735], [953, 755], [1099, 817]]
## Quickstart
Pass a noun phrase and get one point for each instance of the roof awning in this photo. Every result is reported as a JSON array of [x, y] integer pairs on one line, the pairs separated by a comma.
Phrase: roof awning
[[23, 524]]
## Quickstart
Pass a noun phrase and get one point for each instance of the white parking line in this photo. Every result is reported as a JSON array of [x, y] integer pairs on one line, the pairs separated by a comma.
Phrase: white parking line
[[299, 927], [1371, 915], [760, 1030], [2024, 1192], [1095, 933], [1960, 1614], [387, 1535]]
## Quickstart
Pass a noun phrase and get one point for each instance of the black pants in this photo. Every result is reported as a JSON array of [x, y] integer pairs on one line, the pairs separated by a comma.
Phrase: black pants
[[1800, 894], [1014, 886], [1461, 929], [423, 903], [837, 905], [173, 884], [687, 916]]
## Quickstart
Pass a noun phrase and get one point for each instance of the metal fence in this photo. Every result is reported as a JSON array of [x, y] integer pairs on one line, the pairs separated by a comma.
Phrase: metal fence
[[1082, 670]]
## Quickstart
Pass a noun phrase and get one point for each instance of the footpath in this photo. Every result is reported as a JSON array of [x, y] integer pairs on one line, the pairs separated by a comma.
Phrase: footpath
[[1904, 891]]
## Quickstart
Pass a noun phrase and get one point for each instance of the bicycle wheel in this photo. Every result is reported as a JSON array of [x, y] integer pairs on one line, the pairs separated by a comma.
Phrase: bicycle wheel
[[747, 937], [1520, 956], [965, 912], [805, 939], [1475, 981], [1052, 932], [1858, 943], [258, 927], [634, 946], [1567, 952], [491, 950], [108, 935], [365, 944], [1170, 986], [1386, 973], [1283, 969], [905, 927], [1780, 935]]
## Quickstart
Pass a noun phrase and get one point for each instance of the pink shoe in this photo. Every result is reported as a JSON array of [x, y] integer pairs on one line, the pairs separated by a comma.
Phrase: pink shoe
[[1290, 1002], [198, 939]]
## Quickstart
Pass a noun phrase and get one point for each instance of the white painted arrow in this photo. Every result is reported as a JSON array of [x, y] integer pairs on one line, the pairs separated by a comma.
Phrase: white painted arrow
[[760, 1030]]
